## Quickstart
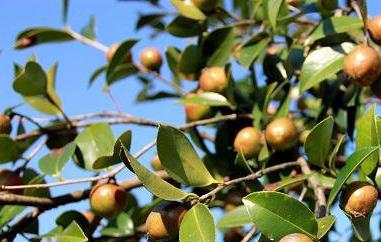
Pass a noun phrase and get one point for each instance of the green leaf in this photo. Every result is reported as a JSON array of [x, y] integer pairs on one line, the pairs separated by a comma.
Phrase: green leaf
[[367, 135], [72, 233], [106, 161], [154, 183], [235, 218], [94, 142], [251, 50], [324, 225], [334, 25], [291, 216], [321, 64], [361, 227], [41, 36], [9, 150], [272, 8], [89, 30], [96, 74], [65, 10], [53, 163], [318, 142], [185, 27], [66, 218], [8, 213], [179, 158], [191, 60], [32, 81], [352, 163], [207, 98], [121, 226], [188, 10], [122, 71], [198, 225], [218, 46]]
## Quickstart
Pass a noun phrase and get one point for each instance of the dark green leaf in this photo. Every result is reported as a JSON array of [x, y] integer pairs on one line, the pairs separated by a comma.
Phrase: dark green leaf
[[32, 81], [185, 27], [218, 46], [324, 225], [121, 226], [272, 8], [36, 36], [89, 30], [235, 218], [72, 233], [9, 150], [191, 60], [250, 50]]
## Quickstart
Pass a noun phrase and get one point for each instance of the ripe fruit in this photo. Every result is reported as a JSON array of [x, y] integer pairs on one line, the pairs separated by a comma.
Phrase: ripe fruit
[[374, 28], [194, 112], [111, 51], [233, 235], [296, 237], [108, 200], [362, 65], [359, 199], [92, 219], [156, 164], [206, 5], [10, 178], [281, 134], [248, 141], [164, 220], [151, 59], [5, 124], [213, 79]]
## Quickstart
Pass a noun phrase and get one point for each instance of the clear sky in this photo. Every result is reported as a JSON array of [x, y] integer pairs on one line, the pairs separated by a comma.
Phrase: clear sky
[[115, 22]]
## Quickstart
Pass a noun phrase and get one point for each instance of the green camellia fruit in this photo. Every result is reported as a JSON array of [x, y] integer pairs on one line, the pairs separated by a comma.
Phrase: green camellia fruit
[[108, 200], [151, 59]]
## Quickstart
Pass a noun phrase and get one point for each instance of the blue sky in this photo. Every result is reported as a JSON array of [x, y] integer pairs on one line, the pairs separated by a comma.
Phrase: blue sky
[[115, 22]]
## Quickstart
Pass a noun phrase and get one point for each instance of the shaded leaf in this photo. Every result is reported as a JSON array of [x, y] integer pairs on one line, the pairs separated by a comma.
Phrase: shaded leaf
[[185, 27], [218, 46], [40, 35], [324, 225], [235, 218]]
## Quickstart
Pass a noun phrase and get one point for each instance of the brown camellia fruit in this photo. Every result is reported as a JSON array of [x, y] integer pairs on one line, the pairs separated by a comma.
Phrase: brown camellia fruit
[[249, 141], [206, 5], [296, 237], [213, 79], [10, 178], [111, 51], [362, 65], [164, 221], [156, 164], [359, 199], [151, 59], [93, 221], [108, 200], [233, 235], [5, 124], [281, 134], [374, 28]]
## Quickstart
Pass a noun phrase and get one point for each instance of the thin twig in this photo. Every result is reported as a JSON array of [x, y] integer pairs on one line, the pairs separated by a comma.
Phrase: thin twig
[[86, 40], [249, 235]]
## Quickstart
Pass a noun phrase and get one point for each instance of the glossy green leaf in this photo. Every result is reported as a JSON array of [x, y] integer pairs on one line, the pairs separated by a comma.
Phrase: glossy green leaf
[[353, 162], [9, 149], [291, 216], [367, 135], [53, 163], [235, 218], [272, 8], [96, 74], [36, 36], [334, 25], [72, 233], [318, 142], [361, 228], [121, 226], [89, 30], [324, 225], [66, 218], [185, 27], [122, 71], [198, 225], [42, 104], [321, 64], [180, 159], [188, 10], [191, 60], [212, 99], [94, 142], [218, 46], [32, 81], [154, 183], [8, 213], [251, 50]]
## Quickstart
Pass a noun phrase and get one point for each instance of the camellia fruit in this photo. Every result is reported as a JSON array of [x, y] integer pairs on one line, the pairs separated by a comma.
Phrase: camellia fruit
[[282, 134], [249, 141], [359, 199], [164, 221], [10, 178], [362, 65], [5, 124], [374, 28], [206, 5], [195, 112], [296, 237], [233, 235], [213, 79], [111, 51], [108, 200], [151, 59], [156, 164]]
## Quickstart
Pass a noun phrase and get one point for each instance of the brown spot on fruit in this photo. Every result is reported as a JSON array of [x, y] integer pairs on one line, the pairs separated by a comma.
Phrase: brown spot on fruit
[[296, 237], [213, 79], [10, 178], [108, 200], [362, 65], [151, 59], [281, 134], [374, 28], [5, 124], [249, 141]]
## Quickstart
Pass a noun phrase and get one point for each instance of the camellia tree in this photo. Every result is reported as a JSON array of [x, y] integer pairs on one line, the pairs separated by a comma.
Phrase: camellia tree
[[281, 148]]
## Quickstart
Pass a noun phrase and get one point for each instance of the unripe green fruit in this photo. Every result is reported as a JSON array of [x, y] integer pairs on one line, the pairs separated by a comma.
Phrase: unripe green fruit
[[362, 65], [164, 221], [111, 51], [151, 59], [156, 164], [374, 28], [213, 79], [359, 199], [282, 134], [195, 112], [108, 200], [296, 237], [5, 124], [10, 178], [206, 5], [249, 141]]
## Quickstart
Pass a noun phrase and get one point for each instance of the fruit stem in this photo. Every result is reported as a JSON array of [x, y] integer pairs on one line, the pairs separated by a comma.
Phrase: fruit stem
[[362, 16]]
